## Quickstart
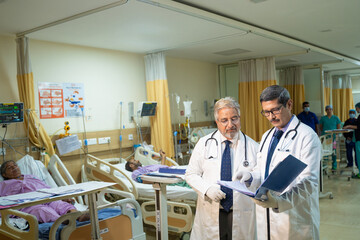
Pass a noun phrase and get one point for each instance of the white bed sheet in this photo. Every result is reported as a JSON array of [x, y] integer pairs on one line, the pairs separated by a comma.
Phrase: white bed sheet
[[147, 191]]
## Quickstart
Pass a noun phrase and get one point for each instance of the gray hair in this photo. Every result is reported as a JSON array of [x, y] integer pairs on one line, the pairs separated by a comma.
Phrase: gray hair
[[3, 167], [227, 102], [275, 92]]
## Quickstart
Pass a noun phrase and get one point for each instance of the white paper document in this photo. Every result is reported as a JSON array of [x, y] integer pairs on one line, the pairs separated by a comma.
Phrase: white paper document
[[26, 196]]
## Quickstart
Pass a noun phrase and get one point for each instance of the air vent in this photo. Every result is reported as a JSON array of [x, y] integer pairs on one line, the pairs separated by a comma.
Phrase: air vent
[[257, 1], [232, 52]]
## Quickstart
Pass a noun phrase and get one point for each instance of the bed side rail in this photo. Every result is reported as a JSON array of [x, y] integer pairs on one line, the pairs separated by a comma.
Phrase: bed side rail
[[8, 230], [180, 215], [53, 166], [93, 171], [146, 157], [126, 206]]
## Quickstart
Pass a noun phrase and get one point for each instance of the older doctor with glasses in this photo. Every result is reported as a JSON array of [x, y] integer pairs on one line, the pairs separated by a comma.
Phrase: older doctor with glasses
[[220, 212]]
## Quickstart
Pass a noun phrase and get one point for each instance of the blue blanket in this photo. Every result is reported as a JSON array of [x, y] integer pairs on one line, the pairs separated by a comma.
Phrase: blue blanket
[[44, 228]]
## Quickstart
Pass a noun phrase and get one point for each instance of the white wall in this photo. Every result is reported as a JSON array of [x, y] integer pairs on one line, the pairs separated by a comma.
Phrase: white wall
[[193, 81], [312, 86], [109, 77]]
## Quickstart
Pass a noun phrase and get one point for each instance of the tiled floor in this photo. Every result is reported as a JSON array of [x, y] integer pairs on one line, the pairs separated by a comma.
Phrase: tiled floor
[[340, 216]]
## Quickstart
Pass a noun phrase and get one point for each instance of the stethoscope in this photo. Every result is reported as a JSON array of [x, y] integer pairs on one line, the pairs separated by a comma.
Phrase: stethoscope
[[286, 135], [245, 162]]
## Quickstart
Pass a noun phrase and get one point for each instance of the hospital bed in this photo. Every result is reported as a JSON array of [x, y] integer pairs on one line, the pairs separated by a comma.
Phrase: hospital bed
[[180, 199], [122, 221]]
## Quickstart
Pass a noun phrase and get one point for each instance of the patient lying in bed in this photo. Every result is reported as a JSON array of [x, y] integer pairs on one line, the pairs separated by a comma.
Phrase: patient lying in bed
[[15, 183], [137, 169]]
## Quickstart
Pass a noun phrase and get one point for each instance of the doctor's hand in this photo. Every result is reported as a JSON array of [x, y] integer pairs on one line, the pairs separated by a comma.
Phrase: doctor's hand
[[215, 194], [271, 202], [244, 177]]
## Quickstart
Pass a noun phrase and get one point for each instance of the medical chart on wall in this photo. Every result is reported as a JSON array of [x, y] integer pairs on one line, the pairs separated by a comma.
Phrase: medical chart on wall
[[58, 100], [74, 99], [51, 101]]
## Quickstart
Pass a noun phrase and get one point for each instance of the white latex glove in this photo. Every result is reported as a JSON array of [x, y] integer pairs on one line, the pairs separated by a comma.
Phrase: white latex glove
[[271, 202], [244, 176], [215, 194]]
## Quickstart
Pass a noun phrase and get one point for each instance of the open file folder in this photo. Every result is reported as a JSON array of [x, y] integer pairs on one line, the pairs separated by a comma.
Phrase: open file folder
[[278, 180]]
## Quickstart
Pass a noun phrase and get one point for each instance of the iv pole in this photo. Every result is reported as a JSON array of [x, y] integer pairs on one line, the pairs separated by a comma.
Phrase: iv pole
[[121, 126]]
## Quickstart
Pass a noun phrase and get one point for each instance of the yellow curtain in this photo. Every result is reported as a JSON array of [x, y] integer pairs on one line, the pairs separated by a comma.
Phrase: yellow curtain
[[37, 134], [293, 80], [255, 76], [326, 91], [342, 96], [157, 90]]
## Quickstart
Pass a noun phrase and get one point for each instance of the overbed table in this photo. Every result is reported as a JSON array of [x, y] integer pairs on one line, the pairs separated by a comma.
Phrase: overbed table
[[88, 188], [159, 185]]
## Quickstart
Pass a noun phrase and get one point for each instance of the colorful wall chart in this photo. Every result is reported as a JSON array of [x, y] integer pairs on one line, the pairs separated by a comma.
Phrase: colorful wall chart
[[51, 101], [74, 99], [58, 100]]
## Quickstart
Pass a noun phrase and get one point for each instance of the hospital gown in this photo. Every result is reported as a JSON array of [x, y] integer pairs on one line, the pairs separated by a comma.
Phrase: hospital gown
[[47, 212]]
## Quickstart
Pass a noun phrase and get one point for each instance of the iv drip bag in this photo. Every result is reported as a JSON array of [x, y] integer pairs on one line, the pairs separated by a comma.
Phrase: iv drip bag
[[187, 106]]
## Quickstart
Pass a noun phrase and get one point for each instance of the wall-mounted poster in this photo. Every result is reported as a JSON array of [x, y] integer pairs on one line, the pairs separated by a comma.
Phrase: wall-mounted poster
[[74, 99], [51, 101]]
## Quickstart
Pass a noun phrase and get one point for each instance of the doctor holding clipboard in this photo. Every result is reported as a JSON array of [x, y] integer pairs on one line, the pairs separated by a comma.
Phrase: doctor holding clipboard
[[294, 213]]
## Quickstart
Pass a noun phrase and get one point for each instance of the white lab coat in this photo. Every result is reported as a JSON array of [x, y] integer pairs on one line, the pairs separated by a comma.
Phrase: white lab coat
[[203, 172], [298, 215]]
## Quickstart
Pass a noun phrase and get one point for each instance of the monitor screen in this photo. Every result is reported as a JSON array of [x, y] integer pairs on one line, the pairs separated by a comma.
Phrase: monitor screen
[[147, 109], [11, 113]]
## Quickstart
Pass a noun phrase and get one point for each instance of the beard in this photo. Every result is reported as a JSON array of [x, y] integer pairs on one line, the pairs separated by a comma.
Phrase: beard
[[231, 135]]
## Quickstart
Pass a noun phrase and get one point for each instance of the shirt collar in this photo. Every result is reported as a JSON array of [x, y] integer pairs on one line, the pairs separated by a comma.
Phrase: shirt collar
[[284, 129]]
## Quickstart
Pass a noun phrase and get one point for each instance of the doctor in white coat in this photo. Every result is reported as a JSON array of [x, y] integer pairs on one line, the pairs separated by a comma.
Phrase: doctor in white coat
[[294, 213], [204, 170]]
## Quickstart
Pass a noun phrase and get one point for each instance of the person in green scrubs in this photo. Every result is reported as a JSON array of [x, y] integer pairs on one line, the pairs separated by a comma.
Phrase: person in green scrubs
[[330, 122], [357, 138]]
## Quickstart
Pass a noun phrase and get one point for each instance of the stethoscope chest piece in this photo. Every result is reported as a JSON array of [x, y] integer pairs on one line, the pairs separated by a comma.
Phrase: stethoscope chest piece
[[246, 163]]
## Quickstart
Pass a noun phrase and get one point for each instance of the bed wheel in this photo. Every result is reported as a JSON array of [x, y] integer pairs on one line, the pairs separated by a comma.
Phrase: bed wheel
[[185, 236]]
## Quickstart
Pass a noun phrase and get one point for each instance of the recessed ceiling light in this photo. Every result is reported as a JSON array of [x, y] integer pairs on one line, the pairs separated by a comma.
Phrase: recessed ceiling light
[[232, 52], [326, 30], [257, 1]]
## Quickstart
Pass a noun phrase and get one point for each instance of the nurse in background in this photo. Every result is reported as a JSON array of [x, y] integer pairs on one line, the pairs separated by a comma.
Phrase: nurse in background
[[349, 143], [330, 122], [309, 118]]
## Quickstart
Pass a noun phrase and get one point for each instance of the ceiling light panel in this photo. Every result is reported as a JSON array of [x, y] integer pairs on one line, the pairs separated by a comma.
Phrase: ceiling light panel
[[123, 28]]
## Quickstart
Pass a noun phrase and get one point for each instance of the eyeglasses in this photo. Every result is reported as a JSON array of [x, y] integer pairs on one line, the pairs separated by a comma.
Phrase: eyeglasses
[[275, 111], [233, 120]]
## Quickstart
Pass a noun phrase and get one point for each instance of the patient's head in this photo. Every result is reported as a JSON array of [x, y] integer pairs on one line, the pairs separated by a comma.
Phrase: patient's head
[[10, 170], [132, 165]]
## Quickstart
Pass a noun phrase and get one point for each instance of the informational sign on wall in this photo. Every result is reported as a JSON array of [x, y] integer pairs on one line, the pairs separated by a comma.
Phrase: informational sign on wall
[[51, 100], [74, 99], [58, 100]]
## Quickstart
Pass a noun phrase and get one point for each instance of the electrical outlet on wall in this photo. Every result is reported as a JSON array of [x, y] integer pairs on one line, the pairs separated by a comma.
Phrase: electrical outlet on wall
[[104, 140], [131, 137], [91, 141]]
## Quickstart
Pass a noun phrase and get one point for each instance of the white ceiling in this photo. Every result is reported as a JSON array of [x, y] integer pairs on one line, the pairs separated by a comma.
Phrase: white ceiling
[[297, 32]]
